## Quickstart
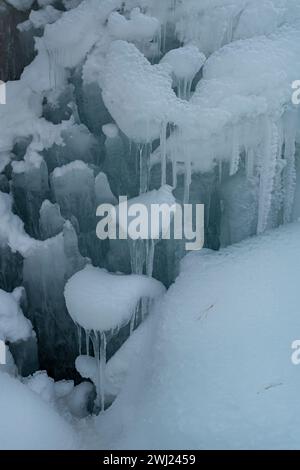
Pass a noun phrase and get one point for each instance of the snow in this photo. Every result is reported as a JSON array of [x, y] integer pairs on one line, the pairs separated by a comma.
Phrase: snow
[[110, 131], [137, 94], [64, 170], [185, 61], [39, 18], [12, 230], [162, 197], [41, 384], [103, 192], [21, 411], [219, 373], [13, 325], [100, 301], [137, 28]]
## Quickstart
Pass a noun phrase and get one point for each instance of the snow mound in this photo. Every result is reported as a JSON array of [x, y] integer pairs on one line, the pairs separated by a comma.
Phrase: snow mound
[[100, 301], [220, 374], [27, 422]]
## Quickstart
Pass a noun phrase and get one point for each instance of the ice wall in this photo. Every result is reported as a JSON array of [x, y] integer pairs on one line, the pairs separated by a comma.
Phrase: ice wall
[[123, 98]]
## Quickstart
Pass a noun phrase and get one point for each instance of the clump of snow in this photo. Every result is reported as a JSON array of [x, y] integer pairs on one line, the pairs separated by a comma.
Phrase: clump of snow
[[13, 325], [111, 131], [138, 95], [80, 398], [61, 171], [137, 28], [41, 384], [103, 192], [27, 422], [185, 62], [162, 197], [12, 230], [39, 18], [86, 366], [100, 301]]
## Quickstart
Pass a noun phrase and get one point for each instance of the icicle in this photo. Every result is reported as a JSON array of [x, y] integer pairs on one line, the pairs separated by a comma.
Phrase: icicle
[[79, 333], [99, 346], [144, 308], [267, 174], [137, 256], [235, 158], [87, 342], [249, 163], [184, 87], [150, 257], [144, 157], [290, 168], [164, 36], [163, 151], [220, 171], [187, 181], [102, 368]]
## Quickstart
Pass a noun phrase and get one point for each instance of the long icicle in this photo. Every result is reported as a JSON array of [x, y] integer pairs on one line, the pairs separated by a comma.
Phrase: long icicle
[[235, 158], [163, 151], [290, 168], [267, 174]]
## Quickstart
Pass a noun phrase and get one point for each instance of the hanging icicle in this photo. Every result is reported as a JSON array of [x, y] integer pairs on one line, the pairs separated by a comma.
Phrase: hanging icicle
[[79, 333], [163, 152], [187, 180], [267, 174], [289, 178], [144, 152], [250, 163], [235, 158], [99, 346]]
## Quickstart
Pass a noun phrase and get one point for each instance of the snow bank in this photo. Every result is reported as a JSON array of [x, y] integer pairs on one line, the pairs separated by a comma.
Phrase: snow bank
[[219, 373], [101, 301], [27, 422]]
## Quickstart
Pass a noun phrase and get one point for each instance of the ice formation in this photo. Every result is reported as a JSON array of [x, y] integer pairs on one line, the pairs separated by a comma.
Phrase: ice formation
[[13, 325], [161, 101], [102, 303]]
